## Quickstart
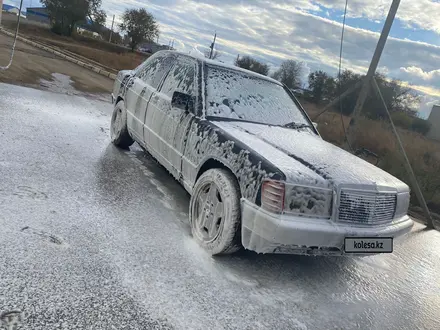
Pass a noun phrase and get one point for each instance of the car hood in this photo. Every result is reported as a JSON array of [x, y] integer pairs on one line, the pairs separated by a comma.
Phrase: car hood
[[305, 158]]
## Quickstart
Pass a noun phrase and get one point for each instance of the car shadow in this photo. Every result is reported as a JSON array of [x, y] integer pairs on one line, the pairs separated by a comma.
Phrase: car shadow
[[288, 267]]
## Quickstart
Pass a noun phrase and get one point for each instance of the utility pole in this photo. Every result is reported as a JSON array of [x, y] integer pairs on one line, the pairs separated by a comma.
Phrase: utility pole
[[172, 45], [212, 46], [238, 58], [111, 31], [372, 69], [1, 11]]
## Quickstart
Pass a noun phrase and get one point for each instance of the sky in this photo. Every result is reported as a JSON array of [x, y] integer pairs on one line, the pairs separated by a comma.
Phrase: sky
[[304, 30]]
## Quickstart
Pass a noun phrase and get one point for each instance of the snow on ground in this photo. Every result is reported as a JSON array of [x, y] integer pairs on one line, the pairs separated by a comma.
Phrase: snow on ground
[[128, 262]]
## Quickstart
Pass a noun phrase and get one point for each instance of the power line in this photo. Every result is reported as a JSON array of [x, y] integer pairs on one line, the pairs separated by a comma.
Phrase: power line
[[339, 77], [4, 68], [406, 163], [350, 90]]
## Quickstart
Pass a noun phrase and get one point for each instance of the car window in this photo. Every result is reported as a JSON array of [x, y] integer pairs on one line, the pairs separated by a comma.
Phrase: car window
[[153, 72], [238, 95], [181, 78], [146, 64]]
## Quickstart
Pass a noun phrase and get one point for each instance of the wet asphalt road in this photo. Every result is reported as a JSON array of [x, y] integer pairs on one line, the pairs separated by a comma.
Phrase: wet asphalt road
[[92, 237]]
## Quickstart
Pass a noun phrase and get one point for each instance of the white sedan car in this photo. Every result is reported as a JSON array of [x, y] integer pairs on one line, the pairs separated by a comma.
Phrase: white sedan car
[[258, 172]]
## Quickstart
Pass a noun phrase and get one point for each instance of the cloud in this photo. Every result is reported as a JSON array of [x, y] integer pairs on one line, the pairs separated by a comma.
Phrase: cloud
[[430, 76], [273, 31], [413, 13]]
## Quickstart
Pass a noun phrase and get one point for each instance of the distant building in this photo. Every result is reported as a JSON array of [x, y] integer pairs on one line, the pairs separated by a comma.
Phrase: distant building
[[86, 26], [12, 10], [434, 119], [151, 47], [86, 29], [38, 14], [88, 33], [7, 8]]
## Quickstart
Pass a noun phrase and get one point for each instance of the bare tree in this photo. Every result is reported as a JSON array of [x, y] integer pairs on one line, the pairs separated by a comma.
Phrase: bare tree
[[140, 26], [322, 86], [95, 14], [290, 73], [66, 14], [249, 63]]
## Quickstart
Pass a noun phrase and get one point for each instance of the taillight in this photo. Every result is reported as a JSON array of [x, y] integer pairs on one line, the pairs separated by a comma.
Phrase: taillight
[[272, 196]]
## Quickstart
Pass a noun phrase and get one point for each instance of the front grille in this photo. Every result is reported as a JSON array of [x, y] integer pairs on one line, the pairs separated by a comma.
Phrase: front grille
[[369, 208]]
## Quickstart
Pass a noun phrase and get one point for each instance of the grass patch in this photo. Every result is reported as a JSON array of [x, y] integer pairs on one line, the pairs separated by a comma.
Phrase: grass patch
[[109, 55]]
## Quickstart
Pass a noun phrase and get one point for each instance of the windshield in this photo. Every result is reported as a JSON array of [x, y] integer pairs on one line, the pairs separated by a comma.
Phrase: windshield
[[237, 95]]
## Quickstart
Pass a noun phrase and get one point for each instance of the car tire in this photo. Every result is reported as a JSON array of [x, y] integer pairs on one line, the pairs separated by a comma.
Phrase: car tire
[[118, 128], [215, 212]]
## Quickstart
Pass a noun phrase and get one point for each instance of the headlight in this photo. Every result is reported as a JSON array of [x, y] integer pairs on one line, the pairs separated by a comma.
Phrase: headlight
[[300, 200], [402, 204], [308, 201]]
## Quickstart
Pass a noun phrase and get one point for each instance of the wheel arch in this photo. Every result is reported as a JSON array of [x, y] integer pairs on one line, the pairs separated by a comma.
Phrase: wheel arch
[[214, 163]]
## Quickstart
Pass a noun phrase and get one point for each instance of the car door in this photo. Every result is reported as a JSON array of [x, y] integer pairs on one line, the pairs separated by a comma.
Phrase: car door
[[166, 126], [144, 84]]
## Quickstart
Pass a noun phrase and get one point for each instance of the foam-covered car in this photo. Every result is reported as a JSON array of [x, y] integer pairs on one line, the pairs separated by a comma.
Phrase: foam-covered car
[[259, 174]]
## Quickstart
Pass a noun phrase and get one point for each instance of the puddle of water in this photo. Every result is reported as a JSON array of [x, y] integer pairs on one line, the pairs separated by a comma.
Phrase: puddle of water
[[60, 83], [63, 84]]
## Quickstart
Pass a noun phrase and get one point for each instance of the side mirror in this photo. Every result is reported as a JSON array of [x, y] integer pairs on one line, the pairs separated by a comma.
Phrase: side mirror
[[183, 101], [316, 125]]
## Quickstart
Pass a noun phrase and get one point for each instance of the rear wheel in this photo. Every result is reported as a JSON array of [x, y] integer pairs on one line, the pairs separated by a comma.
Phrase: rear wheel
[[118, 129], [215, 213]]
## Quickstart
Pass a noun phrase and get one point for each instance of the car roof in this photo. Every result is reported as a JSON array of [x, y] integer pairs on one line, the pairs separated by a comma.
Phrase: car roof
[[223, 65]]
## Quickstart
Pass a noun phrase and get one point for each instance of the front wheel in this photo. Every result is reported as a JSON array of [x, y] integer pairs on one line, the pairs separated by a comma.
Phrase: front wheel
[[118, 129], [215, 213]]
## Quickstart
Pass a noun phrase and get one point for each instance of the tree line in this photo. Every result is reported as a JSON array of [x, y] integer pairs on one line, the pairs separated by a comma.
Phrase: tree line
[[401, 100], [67, 15], [140, 26]]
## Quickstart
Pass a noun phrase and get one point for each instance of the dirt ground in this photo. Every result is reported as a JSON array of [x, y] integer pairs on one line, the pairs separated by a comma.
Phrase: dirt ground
[[110, 57], [36, 68]]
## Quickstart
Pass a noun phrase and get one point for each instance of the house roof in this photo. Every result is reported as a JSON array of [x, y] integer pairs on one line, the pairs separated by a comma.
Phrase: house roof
[[38, 11], [8, 7]]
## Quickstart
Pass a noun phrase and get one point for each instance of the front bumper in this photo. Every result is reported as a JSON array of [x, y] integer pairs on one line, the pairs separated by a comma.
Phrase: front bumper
[[265, 232]]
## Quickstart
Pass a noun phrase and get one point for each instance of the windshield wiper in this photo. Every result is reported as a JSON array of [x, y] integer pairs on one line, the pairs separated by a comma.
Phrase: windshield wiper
[[295, 125], [234, 119]]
